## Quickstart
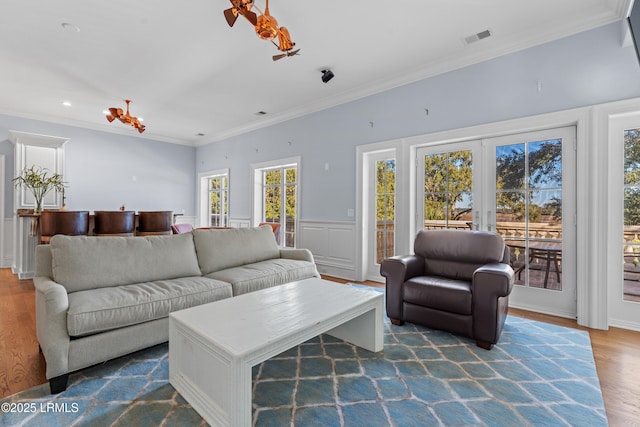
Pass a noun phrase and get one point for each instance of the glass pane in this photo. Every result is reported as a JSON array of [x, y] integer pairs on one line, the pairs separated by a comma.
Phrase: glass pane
[[510, 167], [460, 172], [529, 210], [631, 240], [272, 176], [385, 209], [447, 190], [291, 175], [435, 173], [545, 164], [272, 204], [435, 210], [544, 264], [460, 216]]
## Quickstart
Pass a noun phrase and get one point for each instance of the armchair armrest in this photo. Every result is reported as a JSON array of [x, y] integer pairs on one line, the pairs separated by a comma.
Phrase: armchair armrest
[[490, 287], [398, 270], [52, 304], [495, 279]]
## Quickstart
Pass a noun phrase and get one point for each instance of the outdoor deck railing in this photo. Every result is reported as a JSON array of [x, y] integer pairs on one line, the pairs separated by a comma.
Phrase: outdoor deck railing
[[516, 231]]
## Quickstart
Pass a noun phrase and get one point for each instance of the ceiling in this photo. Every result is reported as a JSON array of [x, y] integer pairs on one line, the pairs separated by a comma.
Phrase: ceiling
[[195, 80]]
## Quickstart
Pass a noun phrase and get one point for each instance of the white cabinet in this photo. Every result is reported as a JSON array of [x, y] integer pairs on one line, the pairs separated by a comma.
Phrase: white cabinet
[[32, 150]]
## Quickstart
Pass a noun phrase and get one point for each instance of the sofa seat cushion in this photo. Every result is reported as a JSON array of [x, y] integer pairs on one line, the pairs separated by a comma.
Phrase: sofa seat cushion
[[103, 309], [440, 293], [264, 274]]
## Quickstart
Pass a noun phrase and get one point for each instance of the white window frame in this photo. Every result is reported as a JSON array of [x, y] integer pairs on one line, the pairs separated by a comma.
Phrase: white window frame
[[205, 198], [257, 170]]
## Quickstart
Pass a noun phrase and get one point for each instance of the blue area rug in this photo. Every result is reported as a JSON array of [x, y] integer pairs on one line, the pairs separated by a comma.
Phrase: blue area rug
[[538, 374]]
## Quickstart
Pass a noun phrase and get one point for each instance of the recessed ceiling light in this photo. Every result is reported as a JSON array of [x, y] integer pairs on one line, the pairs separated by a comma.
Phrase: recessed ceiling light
[[66, 103], [70, 27], [106, 112]]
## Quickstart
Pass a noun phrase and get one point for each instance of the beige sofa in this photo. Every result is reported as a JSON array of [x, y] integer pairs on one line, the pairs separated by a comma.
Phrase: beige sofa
[[98, 298]]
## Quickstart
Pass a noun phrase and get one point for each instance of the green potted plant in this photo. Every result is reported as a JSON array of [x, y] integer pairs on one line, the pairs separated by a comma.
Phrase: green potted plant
[[40, 182]]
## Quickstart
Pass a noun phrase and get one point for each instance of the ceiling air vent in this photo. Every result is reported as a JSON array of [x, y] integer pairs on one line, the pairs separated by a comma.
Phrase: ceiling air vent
[[261, 113], [477, 37]]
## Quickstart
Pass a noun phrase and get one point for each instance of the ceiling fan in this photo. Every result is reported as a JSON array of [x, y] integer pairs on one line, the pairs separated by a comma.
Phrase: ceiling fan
[[266, 26], [126, 118]]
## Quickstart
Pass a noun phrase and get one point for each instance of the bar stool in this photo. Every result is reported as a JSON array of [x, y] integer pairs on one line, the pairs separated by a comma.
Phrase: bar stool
[[114, 223], [154, 223], [70, 223]]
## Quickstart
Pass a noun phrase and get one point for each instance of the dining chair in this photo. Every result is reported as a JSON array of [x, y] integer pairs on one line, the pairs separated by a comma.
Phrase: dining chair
[[70, 223], [114, 223], [154, 223]]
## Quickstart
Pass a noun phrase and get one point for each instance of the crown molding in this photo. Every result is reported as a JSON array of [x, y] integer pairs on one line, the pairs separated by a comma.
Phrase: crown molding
[[476, 54], [95, 127]]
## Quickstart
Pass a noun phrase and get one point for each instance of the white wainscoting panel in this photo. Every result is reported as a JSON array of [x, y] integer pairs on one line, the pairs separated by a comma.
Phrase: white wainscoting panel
[[333, 245], [239, 223]]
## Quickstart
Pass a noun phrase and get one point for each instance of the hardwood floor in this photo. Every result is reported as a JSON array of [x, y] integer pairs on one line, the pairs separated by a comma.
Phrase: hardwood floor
[[21, 364], [616, 351]]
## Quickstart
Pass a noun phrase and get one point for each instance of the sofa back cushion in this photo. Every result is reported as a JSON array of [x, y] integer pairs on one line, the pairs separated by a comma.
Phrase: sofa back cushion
[[80, 263], [226, 248], [456, 254]]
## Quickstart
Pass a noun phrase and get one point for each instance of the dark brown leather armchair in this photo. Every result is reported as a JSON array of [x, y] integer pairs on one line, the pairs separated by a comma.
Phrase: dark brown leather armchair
[[457, 281]]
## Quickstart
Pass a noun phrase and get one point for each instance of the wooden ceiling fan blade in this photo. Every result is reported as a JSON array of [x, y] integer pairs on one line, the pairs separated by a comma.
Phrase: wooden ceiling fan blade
[[231, 15], [277, 57], [251, 17]]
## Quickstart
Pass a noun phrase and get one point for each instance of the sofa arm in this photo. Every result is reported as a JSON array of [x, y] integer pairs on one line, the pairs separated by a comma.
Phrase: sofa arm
[[398, 270], [52, 304], [297, 254], [490, 287]]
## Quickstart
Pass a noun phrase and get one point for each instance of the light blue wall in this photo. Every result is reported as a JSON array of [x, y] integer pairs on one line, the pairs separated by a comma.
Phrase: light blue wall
[[100, 166], [585, 69]]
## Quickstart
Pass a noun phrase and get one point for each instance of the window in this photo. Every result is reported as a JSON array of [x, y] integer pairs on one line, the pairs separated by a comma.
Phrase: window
[[276, 198], [219, 201], [214, 199]]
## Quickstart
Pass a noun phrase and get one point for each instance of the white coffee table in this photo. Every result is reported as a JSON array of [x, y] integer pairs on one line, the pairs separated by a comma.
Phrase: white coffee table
[[213, 347]]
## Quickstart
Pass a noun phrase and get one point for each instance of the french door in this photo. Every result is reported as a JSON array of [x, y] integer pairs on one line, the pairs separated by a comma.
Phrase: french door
[[522, 187], [381, 210], [623, 250]]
